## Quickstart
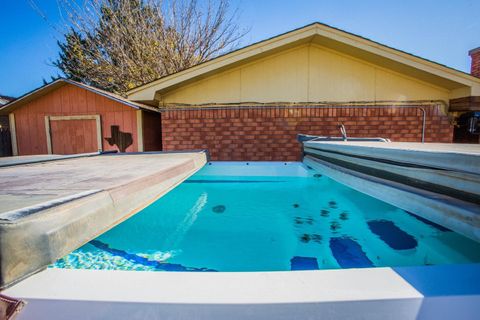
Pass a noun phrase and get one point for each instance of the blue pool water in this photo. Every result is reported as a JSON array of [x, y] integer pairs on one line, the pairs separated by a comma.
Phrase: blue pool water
[[269, 217]]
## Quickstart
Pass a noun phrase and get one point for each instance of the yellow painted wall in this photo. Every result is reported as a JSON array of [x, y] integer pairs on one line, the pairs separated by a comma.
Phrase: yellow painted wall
[[308, 73]]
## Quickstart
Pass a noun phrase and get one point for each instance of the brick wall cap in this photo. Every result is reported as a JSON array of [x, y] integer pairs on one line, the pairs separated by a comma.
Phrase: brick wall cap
[[473, 51]]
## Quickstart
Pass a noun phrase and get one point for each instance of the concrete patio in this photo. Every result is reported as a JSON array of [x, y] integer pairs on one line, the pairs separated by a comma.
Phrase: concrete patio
[[51, 208]]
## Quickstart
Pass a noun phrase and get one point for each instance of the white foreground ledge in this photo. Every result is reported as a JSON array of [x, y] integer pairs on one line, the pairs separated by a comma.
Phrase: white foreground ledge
[[372, 293]]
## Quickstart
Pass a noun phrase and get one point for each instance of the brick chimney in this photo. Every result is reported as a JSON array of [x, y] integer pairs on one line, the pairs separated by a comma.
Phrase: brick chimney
[[475, 68]]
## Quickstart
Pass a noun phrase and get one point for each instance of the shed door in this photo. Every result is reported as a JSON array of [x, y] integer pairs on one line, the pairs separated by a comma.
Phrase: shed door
[[71, 135]]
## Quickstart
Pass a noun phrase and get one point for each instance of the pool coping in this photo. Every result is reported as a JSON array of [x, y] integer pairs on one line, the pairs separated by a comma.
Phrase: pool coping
[[422, 292], [373, 293], [447, 156], [36, 235]]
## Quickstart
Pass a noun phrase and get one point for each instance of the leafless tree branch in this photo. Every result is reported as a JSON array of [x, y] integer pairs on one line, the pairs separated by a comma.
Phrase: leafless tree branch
[[120, 44]]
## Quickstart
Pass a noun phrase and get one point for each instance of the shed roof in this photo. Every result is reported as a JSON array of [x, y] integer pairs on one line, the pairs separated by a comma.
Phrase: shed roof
[[327, 36], [29, 96], [5, 99]]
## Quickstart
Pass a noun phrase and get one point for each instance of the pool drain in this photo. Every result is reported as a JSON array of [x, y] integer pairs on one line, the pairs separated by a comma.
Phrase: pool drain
[[219, 209]]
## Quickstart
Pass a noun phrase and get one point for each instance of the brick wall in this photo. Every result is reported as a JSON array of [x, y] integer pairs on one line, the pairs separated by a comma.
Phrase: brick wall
[[270, 133], [475, 66]]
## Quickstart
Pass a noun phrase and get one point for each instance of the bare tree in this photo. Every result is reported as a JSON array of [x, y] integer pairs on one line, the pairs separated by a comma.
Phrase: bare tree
[[120, 44]]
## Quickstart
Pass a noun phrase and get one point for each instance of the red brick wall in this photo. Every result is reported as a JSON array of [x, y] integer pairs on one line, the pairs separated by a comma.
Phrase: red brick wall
[[270, 133], [475, 67]]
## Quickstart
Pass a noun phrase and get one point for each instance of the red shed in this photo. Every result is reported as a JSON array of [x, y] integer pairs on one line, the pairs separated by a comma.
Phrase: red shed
[[67, 117]]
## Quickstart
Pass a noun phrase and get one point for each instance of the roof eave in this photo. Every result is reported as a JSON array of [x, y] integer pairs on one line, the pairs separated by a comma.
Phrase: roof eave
[[229, 58], [9, 107], [409, 60]]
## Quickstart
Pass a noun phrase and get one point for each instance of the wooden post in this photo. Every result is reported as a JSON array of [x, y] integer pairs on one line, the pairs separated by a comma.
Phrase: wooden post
[[13, 134], [48, 134], [140, 131]]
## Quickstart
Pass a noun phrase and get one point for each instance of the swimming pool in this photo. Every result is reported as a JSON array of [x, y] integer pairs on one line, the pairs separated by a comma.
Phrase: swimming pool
[[269, 217]]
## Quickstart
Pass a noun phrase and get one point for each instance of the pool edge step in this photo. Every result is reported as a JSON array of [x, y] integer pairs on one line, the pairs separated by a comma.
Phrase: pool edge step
[[460, 216]]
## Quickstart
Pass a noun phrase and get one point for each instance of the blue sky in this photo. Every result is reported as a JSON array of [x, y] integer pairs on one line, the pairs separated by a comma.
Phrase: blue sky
[[442, 31]]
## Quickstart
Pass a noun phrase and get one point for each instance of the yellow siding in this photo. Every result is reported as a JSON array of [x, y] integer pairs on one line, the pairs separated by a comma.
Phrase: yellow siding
[[224, 87], [391, 86], [335, 77], [308, 73], [280, 78]]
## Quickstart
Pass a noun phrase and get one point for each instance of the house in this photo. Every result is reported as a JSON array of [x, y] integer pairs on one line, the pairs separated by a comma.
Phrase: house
[[5, 99], [5, 141], [67, 117], [4, 119], [249, 104]]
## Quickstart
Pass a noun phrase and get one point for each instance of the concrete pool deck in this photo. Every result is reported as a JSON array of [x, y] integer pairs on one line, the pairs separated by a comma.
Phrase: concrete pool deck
[[425, 292], [18, 160], [51, 208]]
